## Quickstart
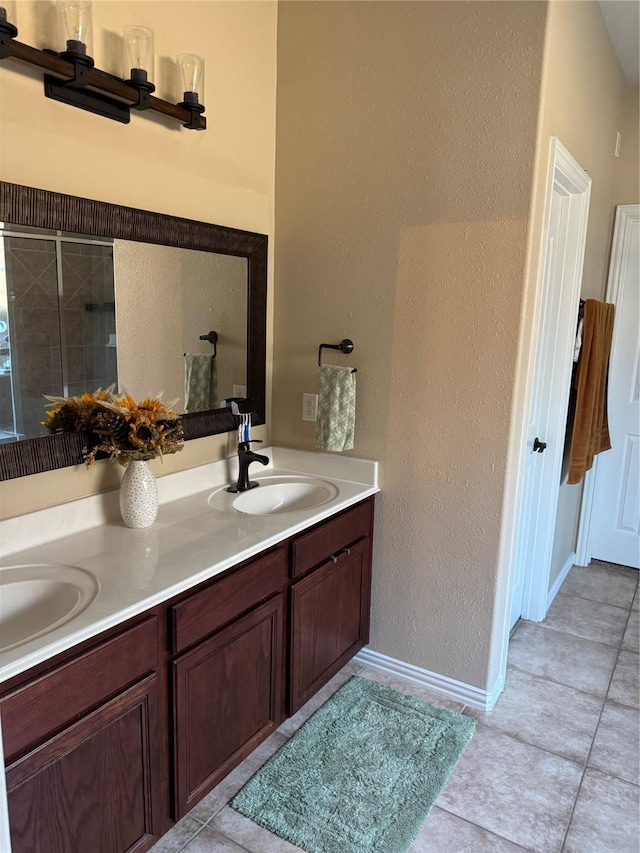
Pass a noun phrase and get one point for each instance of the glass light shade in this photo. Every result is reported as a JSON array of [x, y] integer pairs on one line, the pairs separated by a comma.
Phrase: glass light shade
[[191, 77], [74, 20], [138, 50], [7, 11]]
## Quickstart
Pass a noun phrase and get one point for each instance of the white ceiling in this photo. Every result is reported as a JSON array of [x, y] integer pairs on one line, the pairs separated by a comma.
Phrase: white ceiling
[[622, 18]]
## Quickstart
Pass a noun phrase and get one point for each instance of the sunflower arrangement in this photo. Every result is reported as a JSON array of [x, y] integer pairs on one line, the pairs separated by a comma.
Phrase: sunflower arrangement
[[117, 425]]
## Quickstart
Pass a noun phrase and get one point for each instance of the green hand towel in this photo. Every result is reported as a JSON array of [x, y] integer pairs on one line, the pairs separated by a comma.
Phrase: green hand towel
[[336, 421], [200, 382]]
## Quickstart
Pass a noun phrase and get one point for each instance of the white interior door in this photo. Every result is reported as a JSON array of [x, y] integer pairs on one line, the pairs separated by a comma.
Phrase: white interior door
[[529, 543], [564, 240], [616, 505]]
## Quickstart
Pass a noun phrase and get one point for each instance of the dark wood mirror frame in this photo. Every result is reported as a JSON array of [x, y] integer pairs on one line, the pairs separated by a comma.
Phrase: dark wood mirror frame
[[21, 205]]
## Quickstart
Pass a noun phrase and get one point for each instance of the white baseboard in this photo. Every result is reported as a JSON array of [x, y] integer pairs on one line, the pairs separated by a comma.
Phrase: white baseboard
[[449, 687], [571, 559]]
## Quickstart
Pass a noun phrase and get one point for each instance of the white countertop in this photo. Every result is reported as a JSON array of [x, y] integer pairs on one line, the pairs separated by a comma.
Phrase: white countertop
[[188, 543]]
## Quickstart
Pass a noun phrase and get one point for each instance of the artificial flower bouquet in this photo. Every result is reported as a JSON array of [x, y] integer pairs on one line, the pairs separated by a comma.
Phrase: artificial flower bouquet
[[115, 424]]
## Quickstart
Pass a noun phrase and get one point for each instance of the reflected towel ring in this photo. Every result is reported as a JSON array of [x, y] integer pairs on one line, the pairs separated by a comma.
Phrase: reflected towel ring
[[212, 337]]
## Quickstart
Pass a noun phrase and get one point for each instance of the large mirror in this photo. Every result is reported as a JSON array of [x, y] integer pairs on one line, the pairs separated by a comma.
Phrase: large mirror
[[92, 293]]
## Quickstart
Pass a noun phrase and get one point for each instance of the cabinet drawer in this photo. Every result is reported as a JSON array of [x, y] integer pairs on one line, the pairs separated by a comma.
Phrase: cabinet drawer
[[211, 608], [331, 537], [44, 706]]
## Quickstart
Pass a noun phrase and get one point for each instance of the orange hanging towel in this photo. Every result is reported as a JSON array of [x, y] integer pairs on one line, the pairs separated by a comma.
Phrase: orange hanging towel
[[590, 426]]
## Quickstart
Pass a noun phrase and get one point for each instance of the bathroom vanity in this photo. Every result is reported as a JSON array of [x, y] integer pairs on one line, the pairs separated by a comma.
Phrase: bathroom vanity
[[120, 733]]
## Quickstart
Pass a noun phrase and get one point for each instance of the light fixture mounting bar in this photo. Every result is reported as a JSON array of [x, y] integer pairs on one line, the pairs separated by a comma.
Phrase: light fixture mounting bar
[[97, 81]]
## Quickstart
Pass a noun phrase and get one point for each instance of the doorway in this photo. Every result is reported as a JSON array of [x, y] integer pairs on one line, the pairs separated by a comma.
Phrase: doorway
[[610, 516], [563, 245]]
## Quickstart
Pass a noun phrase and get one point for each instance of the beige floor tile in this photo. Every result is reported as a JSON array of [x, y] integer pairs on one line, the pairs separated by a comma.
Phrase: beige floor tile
[[605, 819], [446, 833], [610, 584], [616, 748], [545, 714], [249, 834], [631, 641], [230, 786], [354, 667], [412, 689], [591, 620], [572, 661], [211, 841], [515, 790], [178, 836], [625, 684], [292, 725]]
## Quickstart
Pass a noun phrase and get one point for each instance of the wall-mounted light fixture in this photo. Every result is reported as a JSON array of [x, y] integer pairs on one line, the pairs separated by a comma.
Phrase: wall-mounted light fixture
[[70, 75], [191, 80], [138, 59]]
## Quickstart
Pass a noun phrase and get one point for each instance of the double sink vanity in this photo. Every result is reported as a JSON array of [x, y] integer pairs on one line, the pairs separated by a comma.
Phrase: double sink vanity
[[139, 667]]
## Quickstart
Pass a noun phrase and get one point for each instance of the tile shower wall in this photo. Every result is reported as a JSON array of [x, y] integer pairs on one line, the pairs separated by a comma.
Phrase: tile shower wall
[[34, 332], [62, 333], [88, 316]]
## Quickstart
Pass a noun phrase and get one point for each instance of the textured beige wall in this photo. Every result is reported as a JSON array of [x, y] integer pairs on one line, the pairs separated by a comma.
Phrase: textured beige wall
[[626, 188], [224, 175], [583, 105], [405, 151]]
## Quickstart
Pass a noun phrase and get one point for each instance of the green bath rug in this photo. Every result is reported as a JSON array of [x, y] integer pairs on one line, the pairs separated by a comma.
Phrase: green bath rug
[[361, 775]]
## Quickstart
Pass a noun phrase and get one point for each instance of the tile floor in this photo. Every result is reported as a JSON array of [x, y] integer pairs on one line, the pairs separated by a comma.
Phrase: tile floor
[[553, 768]]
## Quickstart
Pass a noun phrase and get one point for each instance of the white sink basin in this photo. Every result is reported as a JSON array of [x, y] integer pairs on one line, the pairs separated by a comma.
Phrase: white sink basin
[[277, 495], [36, 599]]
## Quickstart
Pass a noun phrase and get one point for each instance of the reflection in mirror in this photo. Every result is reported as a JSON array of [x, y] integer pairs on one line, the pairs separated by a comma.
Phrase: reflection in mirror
[[57, 323], [166, 300], [78, 313]]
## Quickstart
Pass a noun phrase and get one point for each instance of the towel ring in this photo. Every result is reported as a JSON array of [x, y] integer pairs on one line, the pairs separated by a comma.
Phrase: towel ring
[[345, 346], [212, 337]]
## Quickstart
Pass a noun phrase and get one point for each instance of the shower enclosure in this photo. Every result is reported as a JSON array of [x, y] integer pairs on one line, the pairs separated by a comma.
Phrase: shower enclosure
[[57, 322]]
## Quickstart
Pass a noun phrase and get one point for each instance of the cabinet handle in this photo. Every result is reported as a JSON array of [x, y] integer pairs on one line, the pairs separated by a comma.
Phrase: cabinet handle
[[346, 550], [334, 558]]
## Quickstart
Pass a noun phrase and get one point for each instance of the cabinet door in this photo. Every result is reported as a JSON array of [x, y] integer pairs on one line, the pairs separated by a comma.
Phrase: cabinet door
[[227, 699], [329, 620], [94, 785]]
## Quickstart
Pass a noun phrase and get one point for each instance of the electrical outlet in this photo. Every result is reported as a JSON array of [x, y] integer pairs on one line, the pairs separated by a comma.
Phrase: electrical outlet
[[309, 407], [616, 153], [239, 390]]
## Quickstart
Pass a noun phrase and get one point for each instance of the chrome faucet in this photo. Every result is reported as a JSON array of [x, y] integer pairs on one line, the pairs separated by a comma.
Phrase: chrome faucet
[[245, 457]]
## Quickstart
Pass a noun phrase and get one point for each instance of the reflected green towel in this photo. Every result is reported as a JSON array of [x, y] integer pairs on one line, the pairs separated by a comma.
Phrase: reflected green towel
[[336, 408], [200, 382]]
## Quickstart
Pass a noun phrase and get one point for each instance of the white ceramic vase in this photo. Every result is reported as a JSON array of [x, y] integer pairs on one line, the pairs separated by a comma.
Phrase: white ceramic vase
[[138, 496]]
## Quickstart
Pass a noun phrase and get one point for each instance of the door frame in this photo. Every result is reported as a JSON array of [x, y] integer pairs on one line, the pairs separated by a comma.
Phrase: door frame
[[565, 174], [626, 214]]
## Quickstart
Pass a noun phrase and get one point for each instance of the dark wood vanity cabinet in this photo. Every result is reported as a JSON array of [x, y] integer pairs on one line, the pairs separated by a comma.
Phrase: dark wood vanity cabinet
[[87, 781], [109, 744], [227, 689], [329, 620], [329, 605], [228, 698]]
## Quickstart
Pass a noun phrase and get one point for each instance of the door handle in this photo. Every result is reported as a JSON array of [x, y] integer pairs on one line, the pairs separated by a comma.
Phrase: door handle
[[539, 446]]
